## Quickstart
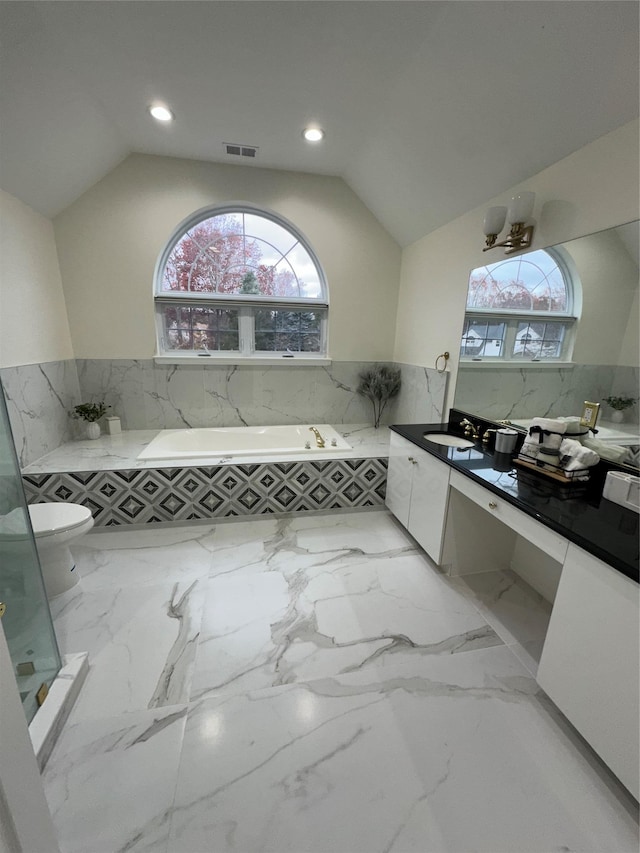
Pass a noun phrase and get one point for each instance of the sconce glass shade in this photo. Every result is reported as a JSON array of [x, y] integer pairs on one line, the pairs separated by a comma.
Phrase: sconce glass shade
[[521, 207], [494, 220]]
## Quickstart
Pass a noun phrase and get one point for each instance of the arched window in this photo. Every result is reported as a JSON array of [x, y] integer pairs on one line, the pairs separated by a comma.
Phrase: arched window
[[520, 309], [239, 282]]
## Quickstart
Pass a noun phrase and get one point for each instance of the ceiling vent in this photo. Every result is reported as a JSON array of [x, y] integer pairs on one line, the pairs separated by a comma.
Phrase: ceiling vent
[[240, 150]]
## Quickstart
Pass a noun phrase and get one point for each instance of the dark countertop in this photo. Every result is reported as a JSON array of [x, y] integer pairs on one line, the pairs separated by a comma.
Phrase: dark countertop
[[576, 511]]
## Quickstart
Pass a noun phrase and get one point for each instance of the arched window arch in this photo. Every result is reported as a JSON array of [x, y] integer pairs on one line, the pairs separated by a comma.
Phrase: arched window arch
[[238, 282], [521, 309]]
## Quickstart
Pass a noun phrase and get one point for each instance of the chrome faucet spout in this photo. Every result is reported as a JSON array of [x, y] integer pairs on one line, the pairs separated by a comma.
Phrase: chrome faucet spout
[[319, 438]]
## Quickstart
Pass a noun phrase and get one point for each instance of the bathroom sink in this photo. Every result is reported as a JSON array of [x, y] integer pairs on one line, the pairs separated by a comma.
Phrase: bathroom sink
[[447, 440]]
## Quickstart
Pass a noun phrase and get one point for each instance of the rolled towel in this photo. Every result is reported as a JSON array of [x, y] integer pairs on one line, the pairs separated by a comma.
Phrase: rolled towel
[[574, 456], [551, 424], [551, 442], [574, 427], [612, 452], [569, 448], [547, 431]]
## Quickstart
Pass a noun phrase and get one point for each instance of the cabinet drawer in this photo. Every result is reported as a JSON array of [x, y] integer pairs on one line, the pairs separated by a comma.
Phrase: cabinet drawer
[[521, 523]]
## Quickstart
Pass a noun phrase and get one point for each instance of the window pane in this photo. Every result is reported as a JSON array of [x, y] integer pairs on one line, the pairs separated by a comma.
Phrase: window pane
[[236, 253], [482, 339], [539, 340], [279, 331], [194, 328], [270, 232], [532, 282]]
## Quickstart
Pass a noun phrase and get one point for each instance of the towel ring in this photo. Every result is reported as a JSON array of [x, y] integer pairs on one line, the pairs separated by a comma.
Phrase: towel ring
[[445, 356]]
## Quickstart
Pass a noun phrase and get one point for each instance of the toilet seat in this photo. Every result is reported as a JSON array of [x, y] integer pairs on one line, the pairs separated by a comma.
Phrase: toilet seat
[[51, 518]]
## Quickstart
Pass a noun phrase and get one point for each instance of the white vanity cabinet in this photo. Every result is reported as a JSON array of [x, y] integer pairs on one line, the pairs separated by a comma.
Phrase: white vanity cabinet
[[590, 661], [417, 491]]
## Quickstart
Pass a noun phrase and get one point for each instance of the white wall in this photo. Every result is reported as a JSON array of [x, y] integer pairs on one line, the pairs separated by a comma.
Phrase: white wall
[[593, 189], [109, 240], [33, 319]]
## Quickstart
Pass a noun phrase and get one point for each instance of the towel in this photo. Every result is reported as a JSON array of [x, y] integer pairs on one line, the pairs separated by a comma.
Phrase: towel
[[574, 456], [612, 452], [548, 432], [529, 449], [574, 427]]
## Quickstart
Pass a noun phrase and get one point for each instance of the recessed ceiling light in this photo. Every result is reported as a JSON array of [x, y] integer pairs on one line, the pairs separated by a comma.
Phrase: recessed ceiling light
[[161, 113], [313, 134]]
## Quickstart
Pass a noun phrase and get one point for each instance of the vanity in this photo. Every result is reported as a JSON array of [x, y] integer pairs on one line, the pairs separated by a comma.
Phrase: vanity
[[472, 511]]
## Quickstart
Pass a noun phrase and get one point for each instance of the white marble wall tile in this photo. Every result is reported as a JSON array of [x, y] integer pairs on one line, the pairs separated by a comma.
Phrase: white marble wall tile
[[336, 397], [40, 398], [177, 400], [421, 398], [148, 395], [531, 392], [459, 755], [124, 384], [141, 643], [110, 783]]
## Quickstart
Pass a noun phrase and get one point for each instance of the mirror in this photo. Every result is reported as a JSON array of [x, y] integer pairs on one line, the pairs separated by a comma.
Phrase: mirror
[[605, 360]]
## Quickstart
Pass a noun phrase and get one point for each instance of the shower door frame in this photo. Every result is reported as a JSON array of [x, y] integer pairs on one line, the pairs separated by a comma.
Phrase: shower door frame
[[24, 814]]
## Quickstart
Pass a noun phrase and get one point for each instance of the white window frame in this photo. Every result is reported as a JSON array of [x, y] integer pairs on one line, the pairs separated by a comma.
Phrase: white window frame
[[245, 304], [513, 317]]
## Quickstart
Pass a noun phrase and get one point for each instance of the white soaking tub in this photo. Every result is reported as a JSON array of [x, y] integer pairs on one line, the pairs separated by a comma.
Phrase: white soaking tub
[[241, 441]]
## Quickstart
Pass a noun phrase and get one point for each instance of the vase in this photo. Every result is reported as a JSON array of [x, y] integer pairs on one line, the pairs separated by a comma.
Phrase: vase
[[93, 430], [617, 416]]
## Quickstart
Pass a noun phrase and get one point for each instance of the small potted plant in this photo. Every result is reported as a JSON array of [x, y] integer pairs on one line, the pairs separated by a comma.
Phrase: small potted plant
[[619, 404], [379, 384], [91, 413]]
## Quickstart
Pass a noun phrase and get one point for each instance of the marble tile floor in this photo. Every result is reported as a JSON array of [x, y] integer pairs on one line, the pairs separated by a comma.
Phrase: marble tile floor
[[311, 684]]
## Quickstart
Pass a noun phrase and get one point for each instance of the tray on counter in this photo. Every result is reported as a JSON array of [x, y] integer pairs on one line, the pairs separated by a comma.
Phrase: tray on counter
[[553, 472]]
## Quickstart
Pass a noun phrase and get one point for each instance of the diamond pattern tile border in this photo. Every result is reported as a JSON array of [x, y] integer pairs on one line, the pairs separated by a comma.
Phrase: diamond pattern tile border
[[152, 495]]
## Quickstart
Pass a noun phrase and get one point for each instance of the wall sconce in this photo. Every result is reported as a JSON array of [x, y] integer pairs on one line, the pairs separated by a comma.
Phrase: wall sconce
[[520, 235]]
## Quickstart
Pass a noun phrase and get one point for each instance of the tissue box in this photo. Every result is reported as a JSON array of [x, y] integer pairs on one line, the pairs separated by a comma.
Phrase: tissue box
[[623, 489]]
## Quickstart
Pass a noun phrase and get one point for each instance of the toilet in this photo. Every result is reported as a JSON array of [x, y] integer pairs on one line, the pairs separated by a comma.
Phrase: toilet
[[55, 527]]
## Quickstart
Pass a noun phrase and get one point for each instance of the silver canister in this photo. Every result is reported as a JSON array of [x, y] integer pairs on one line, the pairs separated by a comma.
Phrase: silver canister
[[506, 440]]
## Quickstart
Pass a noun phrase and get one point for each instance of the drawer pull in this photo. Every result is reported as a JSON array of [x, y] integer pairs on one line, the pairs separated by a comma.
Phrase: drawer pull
[[493, 505]]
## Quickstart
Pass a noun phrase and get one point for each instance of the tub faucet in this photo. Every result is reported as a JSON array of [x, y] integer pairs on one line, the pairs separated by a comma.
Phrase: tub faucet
[[319, 438]]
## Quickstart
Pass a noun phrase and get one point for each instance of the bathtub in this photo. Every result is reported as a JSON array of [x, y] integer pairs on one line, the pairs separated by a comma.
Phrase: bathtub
[[241, 441]]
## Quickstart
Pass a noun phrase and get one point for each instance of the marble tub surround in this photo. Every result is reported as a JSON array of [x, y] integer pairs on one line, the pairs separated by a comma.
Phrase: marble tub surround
[[120, 489], [391, 737], [39, 400], [118, 452], [150, 396], [147, 395]]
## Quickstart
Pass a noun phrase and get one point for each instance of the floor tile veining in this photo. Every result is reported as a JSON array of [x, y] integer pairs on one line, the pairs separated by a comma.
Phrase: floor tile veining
[[312, 684]]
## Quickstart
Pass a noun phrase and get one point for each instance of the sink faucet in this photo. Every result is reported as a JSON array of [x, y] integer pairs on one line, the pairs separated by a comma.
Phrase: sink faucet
[[487, 435], [319, 438], [469, 429]]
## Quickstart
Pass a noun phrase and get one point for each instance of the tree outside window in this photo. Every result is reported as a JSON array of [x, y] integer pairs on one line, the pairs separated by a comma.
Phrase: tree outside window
[[240, 281]]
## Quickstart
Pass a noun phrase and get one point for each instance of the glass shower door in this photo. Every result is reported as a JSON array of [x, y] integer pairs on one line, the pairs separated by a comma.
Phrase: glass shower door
[[26, 621]]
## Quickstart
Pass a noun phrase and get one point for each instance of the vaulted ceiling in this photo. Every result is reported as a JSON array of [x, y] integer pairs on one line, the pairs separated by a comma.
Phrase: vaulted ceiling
[[430, 108]]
